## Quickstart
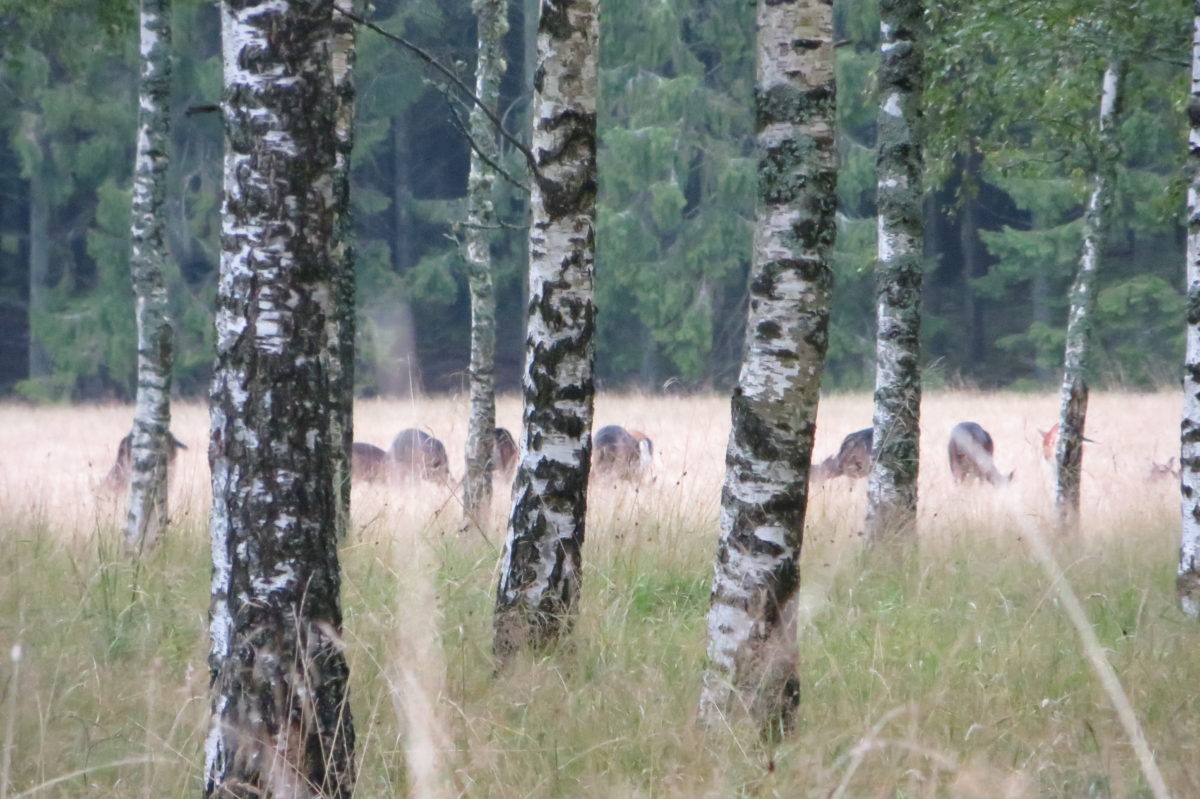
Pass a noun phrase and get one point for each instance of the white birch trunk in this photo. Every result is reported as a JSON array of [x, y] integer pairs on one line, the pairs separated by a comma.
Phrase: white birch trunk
[[540, 570], [1188, 579], [752, 648], [1074, 392], [152, 443], [895, 459], [492, 20], [341, 366], [280, 723]]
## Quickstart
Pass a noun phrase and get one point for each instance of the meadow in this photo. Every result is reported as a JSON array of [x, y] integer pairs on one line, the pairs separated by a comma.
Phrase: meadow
[[953, 672]]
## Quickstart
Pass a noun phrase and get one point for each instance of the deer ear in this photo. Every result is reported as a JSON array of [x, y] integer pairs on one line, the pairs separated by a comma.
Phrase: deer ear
[[1010, 475]]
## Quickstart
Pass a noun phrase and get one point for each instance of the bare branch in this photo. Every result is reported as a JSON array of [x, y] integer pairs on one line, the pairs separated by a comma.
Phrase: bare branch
[[449, 75], [461, 127]]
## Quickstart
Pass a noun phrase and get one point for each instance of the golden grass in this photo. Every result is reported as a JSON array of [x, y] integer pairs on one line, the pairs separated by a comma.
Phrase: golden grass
[[954, 675]]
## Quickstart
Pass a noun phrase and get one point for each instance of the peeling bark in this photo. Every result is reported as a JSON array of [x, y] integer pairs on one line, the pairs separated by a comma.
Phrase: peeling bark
[[492, 21], [892, 486], [1188, 577], [1074, 391], [752, 649], [540, 570], [152, 444], [280, 724]]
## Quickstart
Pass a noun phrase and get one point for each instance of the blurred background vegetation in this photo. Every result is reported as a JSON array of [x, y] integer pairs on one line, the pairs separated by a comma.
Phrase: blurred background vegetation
[[1013, 94]]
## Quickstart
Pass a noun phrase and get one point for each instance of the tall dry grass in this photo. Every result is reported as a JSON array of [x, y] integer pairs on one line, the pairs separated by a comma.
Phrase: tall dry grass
[[951, 673]]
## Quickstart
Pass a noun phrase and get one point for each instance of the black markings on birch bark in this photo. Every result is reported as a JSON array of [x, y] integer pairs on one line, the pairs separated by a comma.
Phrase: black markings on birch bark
[[540, 571], [752, 648], [344, 51], [152, 442], [1187, 583], [280, 722], [1073, 396], [491, 16], [892, 485]]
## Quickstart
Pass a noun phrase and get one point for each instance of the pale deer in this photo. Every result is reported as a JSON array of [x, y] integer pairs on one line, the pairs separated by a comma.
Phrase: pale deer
[[971, 451]]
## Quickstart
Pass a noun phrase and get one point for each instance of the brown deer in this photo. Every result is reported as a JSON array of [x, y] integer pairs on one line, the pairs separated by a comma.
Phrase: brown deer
[[369, 463], [416, 454], [118, 476], [853, 459], [619, 452], [504, 452], [971, 451], [1050, 442]]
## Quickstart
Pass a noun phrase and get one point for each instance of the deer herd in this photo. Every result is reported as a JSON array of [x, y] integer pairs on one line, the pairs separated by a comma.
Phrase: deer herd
[[628, 454]]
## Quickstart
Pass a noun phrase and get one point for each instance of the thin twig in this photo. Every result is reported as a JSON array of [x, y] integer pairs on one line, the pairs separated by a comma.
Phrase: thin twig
[[458, 124], [454, 79]]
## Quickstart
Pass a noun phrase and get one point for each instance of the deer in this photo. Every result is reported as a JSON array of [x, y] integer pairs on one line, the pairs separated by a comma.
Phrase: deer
[[416, 454], [620, 452], [504, 452], [852, 460], [369, 463], [118, 476], [970, 451], [1050, 441]]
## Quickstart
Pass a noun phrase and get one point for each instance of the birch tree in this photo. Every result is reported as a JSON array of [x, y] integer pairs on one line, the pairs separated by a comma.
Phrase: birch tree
[[280, 723], [540, 568], [752, 648], [341, 366], [152, 418], [895, 459], [1073, 396], [1188, 579], [492, 21]]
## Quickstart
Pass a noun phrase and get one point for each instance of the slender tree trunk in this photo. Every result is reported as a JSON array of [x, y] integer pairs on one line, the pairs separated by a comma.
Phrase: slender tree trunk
[[971, 267], [341, 367], [1074, 392], [280, 723], [1188, 579], [39, 262], [152, 419], [892, 487], [399, 372], [752, 647], [540, 570], [492, 21]]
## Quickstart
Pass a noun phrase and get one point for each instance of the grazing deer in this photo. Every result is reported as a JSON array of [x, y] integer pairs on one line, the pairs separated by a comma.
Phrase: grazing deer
[[619, 452], [853, 459], [1050, 442], [420, 455], [504, 452], [971, 452], [118, 476], [1161, 472], [369, 463]]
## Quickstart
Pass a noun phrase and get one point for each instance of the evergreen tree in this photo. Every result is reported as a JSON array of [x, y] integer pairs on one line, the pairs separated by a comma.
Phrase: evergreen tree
[[752, 649], [281, 722], [152, 444], [540, 571], [677, 199]]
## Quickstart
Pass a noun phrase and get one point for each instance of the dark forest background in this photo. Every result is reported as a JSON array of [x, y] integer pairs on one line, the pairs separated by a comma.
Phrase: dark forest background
[[1013, 94]]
